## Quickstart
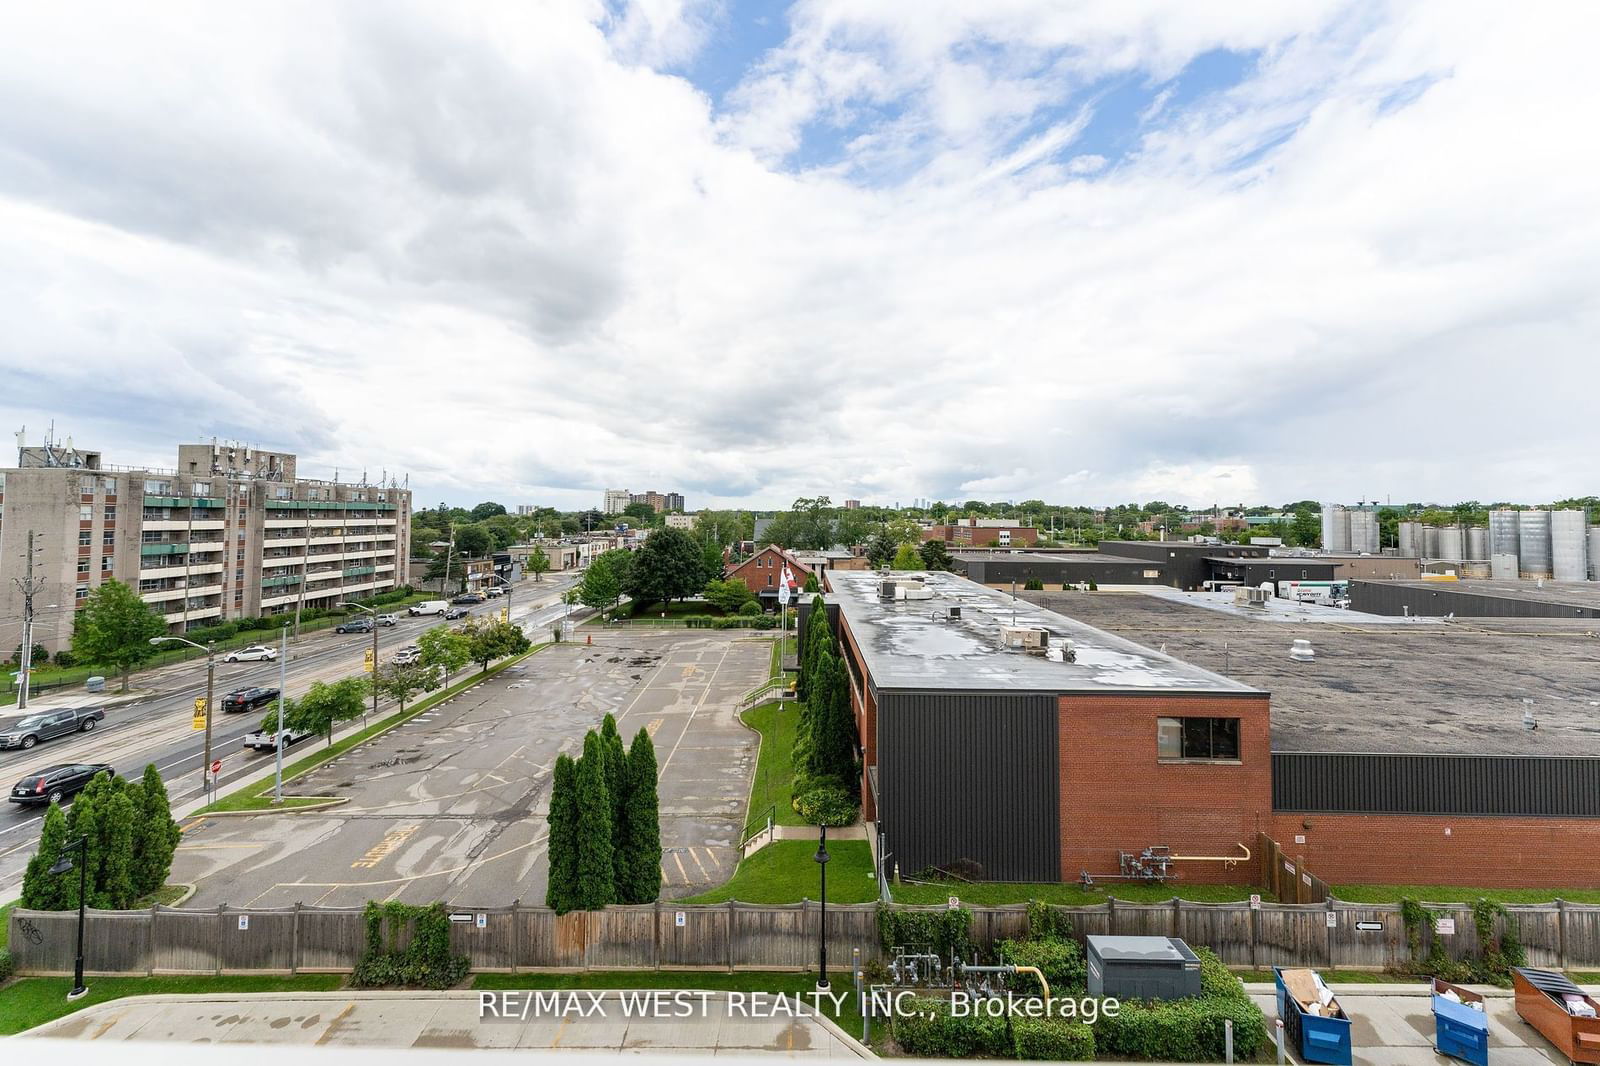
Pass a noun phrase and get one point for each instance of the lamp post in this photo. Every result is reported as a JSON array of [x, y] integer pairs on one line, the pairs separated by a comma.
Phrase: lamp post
[[822, 929], [210, 649], [62, 865], [374, 613]]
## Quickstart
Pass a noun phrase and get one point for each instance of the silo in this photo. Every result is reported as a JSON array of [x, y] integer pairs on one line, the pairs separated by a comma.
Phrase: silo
[[1594, 553], [1503, 540], [1533, 543], [1503, 566], [1477, 543], [1410, 540], [1452, 544], [1430, 542], [1363, 531], [1335, 528], [1568, 550]]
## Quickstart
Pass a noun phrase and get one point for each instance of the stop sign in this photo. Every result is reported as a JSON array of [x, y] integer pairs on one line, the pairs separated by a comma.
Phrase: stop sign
[[216, 767]]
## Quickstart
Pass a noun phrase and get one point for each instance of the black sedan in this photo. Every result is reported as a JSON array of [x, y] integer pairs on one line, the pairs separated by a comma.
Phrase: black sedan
[[55, 783], [247, 699]]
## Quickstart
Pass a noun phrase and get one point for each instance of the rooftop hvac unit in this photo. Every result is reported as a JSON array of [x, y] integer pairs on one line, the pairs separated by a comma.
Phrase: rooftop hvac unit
[[1027, 638], [886, 590], [1301, 652], [1249, 596]]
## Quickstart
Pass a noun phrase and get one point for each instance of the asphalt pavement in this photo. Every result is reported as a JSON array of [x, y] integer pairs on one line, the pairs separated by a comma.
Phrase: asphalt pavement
[[158, 729]]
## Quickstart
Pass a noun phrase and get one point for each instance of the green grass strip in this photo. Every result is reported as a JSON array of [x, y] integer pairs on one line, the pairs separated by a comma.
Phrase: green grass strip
[[33, 1001], [986, 893], [1460, 894], [786, 872]]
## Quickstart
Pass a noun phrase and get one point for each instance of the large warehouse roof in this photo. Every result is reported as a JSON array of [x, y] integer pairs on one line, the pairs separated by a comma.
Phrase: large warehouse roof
[[913, 644], [1436, 688]]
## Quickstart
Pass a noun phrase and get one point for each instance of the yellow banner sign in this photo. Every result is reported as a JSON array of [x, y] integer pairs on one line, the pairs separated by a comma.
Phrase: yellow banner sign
[[199, 721]]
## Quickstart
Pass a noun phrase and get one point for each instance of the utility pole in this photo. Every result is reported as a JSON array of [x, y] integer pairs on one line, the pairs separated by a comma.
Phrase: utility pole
[[30, 586]]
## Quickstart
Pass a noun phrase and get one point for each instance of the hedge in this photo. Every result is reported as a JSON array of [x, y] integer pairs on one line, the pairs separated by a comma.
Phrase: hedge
[[1052, 1038], [1187, 1030], [927, 1030], [8, 965], [943, 932], [1061, 962]]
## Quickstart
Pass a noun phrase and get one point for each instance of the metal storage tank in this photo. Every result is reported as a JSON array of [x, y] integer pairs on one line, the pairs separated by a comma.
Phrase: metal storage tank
[[1533, 543], [1335, 528], [1503, 566], [1430, 542], [1502, 533], [1364, 531], [1569, 532], [1594, 553], [1477, 543], [1452, 544], [1409, 544]]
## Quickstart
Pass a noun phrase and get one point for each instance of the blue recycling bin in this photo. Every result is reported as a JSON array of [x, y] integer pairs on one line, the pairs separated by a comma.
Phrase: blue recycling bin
[[1312, 1037], [1460, 1030]]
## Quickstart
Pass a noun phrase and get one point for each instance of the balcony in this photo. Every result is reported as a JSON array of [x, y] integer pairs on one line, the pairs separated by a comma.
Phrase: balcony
[[279, 582], [180, 548], [179, 525], [358, 571]]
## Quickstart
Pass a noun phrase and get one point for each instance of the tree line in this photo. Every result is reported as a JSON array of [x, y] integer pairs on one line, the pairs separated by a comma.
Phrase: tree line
[[604, 842]]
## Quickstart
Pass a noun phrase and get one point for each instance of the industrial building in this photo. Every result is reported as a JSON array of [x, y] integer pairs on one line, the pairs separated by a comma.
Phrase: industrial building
[[231, 532], [976, 532], [1002, 568], [1528, 545], [1476, 599]]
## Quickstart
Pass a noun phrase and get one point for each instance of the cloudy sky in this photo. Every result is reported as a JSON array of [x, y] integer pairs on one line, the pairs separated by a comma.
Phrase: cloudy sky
[[1089, 252]]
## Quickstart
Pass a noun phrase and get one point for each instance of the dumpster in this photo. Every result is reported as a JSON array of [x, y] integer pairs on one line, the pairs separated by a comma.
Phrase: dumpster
[[1558, 1008], [1316, 1027], [1461, 1028]]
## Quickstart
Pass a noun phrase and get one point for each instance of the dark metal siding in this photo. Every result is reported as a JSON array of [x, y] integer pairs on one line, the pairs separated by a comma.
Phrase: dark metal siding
[[1383, 597], [970, 775], [1436, 784], [1052, 572], [1255, 571]]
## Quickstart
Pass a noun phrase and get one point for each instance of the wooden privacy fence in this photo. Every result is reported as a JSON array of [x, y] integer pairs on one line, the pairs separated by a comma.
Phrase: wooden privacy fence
[[1286, 876], [737, 936]]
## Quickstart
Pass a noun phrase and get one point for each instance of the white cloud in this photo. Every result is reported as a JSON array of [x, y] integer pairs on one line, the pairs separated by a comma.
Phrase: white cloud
[[498, 249]]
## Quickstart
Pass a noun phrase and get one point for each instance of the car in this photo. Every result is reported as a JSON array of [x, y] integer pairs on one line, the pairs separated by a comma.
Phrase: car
[[409, 655], [427, 607], [55, 783], [247, 699], [456, 612], [493, 591], [388, 619], [468, 597], [267, 739], [354, 625], [28, 730], [256, 653]]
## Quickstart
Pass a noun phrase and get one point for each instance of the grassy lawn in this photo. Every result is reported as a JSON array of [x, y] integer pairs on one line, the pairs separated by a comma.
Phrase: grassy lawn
[[774, 783], [5, 923], [1460, 894], [784, 872], [989, 893], [33, 1001], [166, 896], [790, 983], [258, 797]]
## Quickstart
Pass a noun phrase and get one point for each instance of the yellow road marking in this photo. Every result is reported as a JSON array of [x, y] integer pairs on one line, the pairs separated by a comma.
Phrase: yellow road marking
[[391, 840], [334, 1025], [653, 725], [697, 862], [682, 873]]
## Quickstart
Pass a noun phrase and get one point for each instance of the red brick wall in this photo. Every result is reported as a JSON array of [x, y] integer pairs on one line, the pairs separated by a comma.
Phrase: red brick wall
[[771, 561], [1411, 849], [1116, 796], [979, 536]]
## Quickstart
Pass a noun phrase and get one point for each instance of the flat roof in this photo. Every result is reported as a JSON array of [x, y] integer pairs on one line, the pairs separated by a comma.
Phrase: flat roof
[[1420, 688], [1074, 558], [1577, 593], [1274, 560], [910, 644]]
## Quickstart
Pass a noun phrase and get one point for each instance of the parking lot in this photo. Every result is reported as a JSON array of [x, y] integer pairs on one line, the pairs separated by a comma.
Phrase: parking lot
[[451, 806]]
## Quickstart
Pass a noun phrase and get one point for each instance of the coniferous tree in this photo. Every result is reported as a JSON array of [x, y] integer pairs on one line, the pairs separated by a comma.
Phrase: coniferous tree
[[84, 820], [818, 635], [116, 875], [41, 889], [642, 824], [832, 753], [561, 844], [155, 837], [616, 763], [595, 883]]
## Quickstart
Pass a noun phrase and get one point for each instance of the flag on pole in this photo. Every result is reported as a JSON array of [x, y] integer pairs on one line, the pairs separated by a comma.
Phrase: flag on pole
[[785, 586]]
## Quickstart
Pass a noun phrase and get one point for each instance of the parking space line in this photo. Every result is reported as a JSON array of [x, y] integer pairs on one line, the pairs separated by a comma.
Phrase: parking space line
[[696, 710], [683, 875], [698, 863]]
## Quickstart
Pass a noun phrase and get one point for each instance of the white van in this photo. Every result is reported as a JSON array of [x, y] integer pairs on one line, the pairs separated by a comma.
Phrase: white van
[[428, 607]]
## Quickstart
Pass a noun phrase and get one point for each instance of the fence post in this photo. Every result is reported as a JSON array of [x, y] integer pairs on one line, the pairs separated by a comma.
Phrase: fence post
[[294, 940], [728, 909], [655, 957], [1111, 915], [516, 932], [1561, 933], [1177, 917], [1255, 937], [150, 959], [219, 938]]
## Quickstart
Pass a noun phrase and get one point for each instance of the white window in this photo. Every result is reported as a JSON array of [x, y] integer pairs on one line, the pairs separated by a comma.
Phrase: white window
[[86, 513], [157, 488], [201, 488], [1152, 573]]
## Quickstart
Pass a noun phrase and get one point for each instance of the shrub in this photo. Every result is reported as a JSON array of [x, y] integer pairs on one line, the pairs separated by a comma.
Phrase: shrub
[[1052, 1038], [750, 609], [942, 931], [1033, 584], [1181, 1030], [1061, 962], [1046, 922], [8, 965], [826, 805], [927, 1030], [426, 962], [64, 658]]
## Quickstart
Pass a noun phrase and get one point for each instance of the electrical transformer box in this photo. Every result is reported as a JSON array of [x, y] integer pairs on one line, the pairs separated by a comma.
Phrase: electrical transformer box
[[1142, 967]]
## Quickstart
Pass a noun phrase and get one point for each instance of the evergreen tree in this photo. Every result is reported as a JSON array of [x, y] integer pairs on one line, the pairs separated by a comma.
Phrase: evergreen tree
[[41, 889], [616, 763], [832, 753], [641, 825], [84, 820], [155, 833], [595, 885], [562, 845], [811, 584], [116, 886], [818, 636]]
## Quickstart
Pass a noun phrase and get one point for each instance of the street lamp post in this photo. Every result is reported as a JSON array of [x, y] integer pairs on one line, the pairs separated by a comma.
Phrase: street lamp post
[[373, 611], [62, 865], [210, 649], [822, 928]]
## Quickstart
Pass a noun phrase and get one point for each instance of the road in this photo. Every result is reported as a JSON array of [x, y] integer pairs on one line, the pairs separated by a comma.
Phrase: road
[[159, 729]]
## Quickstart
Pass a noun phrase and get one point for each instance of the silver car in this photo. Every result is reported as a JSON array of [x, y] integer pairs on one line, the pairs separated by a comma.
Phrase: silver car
[[256, 653]]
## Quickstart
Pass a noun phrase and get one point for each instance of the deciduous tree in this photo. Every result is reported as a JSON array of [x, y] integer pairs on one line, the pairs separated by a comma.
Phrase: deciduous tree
[[907, 558], [537, 564], [324, 704], [443, 649], [668, 567], [114, 628], [728, 596], [496, 640], [400, 682]]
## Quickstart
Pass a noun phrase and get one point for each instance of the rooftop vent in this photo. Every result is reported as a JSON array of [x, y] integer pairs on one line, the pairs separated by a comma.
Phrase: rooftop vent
[[1032, 639], [1300, 651], [948, 614], [1249, 596]]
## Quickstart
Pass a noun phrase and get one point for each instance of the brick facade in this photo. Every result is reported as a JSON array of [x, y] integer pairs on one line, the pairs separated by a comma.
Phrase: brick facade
[[762, 571], [1116, 795], [866, 713], [968, 535]]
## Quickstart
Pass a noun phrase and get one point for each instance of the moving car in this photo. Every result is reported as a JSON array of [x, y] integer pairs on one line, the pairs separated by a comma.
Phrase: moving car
[[494, 590], [256, 653], [30, 729], [388, 619], [428, 607], [354, 625], [247, 699], [267, 739], [409, 655], [456, 612], [468, 597], [55, 783]]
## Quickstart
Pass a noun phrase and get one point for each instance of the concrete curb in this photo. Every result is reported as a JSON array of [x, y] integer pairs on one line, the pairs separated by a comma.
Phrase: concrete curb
[[332, 801], [181, 900]]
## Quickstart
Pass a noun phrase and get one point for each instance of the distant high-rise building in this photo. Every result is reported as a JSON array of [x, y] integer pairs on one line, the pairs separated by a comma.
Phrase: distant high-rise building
[[852, 505], [616, 501]]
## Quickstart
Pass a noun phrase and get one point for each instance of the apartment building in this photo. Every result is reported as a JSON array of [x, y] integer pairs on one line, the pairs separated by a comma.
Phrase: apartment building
[[617, 500], [230, 533]]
